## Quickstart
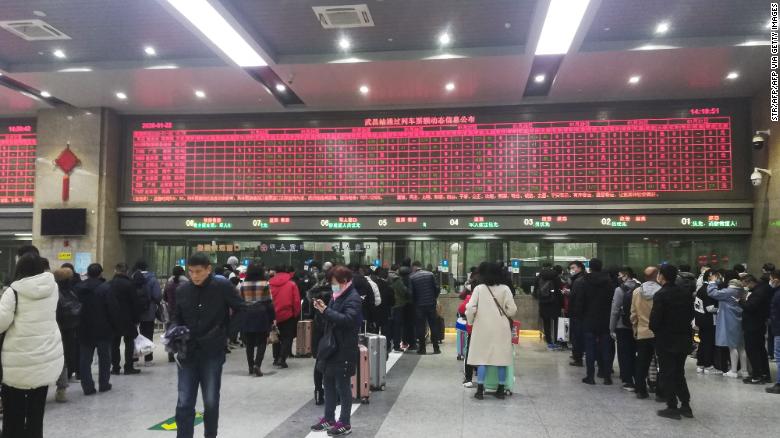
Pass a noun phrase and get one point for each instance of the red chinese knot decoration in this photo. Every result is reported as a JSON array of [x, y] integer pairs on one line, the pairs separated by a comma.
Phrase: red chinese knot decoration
[[66, 161]]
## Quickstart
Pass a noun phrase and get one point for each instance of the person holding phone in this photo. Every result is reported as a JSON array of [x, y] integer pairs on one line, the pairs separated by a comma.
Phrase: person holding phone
[[337, 352], [728, 322]]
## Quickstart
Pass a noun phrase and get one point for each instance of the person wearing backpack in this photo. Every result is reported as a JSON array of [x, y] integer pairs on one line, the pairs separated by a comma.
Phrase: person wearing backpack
[[124, 293], [620, 327], [548, 293], [149, 295], [68, 319]]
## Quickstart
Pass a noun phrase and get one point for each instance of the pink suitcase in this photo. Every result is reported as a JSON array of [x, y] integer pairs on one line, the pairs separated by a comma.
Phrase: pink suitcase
[[362, 379]]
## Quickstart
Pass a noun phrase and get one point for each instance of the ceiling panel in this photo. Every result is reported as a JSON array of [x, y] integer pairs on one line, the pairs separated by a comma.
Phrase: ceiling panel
[[158, 91], [631, 20], [101, 30], [290, 27], [665, 74]]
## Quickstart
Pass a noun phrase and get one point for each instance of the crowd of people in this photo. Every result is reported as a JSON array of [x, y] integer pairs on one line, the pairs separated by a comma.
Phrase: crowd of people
[[729, 320]]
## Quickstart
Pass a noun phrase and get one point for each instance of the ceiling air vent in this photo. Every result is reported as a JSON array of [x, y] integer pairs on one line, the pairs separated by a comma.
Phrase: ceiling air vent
[[343, 17], [33, 30]]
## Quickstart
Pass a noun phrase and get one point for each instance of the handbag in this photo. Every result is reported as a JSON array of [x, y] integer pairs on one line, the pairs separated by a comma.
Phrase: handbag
[[273, 336]]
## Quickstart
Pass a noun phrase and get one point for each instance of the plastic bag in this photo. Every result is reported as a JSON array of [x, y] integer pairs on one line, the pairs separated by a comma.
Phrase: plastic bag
[[143, 346]]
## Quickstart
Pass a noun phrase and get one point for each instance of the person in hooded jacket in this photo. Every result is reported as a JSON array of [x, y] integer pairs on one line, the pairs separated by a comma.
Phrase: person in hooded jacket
[[99, 321], [146, 280], [123, 290], [728, 326], [576, 332], [686, 280], [704, 310], [260, 315], [32, 355], [774, 283], [321, 291], [670, 321], [641, 307], [287, 305], [755, 312], [595, 307], [620, 328], [68, 319]]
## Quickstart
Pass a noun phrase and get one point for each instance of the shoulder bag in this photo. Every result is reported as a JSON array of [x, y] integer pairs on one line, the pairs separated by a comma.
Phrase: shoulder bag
[[500, 309]]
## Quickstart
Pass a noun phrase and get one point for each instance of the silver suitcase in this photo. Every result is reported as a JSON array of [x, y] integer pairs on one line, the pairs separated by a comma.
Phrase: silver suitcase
[[377, 359]]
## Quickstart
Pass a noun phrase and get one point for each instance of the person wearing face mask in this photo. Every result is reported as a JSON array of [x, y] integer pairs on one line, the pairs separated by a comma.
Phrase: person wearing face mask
[[338, 352], [576, 333], [774, 283], [728, 326], [755, 311], [620, 327], [705, 309]]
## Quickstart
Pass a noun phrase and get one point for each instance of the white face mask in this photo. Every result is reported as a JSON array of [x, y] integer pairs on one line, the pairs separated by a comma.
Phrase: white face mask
[[572, 272]]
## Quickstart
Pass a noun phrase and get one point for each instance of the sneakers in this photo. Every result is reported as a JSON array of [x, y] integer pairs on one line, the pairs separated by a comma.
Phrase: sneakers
[[132, 371], [59, 397], [670, 413], [699, 370], [629, 387], [468, 384], [340, 429], [714, 371], [322, 425], [775, 389], [588, 380], [551, 347], [576, 363], [731, 375]]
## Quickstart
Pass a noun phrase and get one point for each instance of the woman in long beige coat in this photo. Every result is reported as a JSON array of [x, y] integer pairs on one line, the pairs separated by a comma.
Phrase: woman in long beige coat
[[491, 337]]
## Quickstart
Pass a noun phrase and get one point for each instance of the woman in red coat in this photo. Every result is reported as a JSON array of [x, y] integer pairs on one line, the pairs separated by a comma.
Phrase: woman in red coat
[[287, 306]]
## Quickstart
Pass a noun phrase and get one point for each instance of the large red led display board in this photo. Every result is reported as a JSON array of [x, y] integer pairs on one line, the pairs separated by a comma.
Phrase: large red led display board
[[453, 158], [17, 163]]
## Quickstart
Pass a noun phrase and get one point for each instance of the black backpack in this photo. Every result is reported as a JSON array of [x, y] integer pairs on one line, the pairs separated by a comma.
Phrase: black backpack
[[628, 293], [142, 299], [546, 292]]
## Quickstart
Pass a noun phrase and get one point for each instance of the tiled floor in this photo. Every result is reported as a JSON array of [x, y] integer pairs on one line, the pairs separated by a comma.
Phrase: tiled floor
[[424, 399]]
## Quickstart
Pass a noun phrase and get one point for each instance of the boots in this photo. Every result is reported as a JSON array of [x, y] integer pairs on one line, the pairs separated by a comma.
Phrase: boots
[[500, 392], [436, 349], [480, 394]]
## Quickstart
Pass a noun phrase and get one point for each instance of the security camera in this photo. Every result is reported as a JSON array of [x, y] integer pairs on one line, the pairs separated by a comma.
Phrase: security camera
[[759, 139], [756, 178]]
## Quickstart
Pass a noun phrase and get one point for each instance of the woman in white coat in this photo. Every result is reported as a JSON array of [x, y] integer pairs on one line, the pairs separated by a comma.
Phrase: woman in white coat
[[488, 310], [32, 356]]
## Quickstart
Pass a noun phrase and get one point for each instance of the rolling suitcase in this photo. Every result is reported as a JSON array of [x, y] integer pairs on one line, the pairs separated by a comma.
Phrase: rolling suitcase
[[377, 359], [361, 379], [491, 377], [303, 339], [461, 339]]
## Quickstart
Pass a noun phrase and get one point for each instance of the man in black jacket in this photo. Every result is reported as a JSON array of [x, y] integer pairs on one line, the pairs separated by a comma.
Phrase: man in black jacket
[[755, 312], [99, 315], [576, 334], [123, 291], [670, 321], [203, 307], [424, 292], [595, 309]]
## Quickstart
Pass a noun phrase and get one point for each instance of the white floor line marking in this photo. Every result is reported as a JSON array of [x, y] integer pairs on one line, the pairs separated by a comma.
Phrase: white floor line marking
[[392, 359]]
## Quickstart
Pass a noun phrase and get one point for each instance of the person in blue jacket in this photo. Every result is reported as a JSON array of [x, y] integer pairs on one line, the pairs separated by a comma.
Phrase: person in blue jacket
[[728, 325]]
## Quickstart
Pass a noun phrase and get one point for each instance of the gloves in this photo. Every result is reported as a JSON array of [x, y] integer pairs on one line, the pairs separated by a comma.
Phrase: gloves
[[711, 309]]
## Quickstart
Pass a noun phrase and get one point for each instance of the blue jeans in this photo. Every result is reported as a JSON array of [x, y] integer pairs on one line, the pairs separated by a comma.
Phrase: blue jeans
[[777, 357], [336, 381], [598, 349], [86, 353], [206, 372], [482, 371]]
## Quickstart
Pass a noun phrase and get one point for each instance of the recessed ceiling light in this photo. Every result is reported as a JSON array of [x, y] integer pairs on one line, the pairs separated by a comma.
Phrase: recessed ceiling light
[[39, 13], [200, 94], [364, 89], [45, 94], [344, 43], [634, 79], [732, 75], [507, 25], [59, 53], [281, 88], [121, 96], [389, 40], [539, 79], [149, 50], [445, 39], [662, 28], [560, 25], [450, 86]]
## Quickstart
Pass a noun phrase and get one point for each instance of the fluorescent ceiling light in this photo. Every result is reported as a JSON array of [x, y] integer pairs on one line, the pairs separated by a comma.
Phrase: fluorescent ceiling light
[[450, 86], [445, 39], [344, 43], [753, 43], [162, 67], [59, 53], [22, 234], [732, 75], [634, 79], [662, 28], [200, 94], [75, 69], [561, 24], [364, 89], [281, 88], [444, 56], [349, 60], [45, 94], [539, 79], [214, 26], [121, 96], [655, 47]]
